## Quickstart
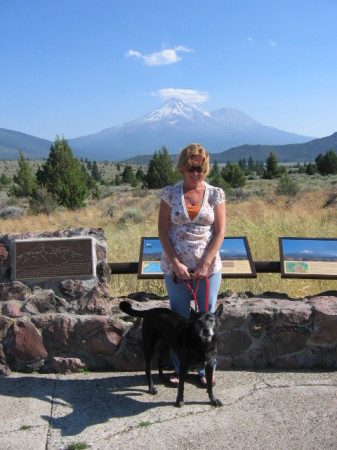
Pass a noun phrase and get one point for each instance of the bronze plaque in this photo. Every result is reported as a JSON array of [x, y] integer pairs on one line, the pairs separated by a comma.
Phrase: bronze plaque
[[53, 258]]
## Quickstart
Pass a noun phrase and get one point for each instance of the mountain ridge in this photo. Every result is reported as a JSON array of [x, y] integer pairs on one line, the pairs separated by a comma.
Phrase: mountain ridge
[[304, 153], [175, 124], [227, 133]]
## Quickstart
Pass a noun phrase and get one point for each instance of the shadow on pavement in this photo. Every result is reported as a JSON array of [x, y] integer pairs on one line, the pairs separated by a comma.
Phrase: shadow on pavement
[[78, 403]]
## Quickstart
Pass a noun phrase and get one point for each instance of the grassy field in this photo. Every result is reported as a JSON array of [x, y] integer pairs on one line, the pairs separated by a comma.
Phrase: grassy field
[[255, 211]]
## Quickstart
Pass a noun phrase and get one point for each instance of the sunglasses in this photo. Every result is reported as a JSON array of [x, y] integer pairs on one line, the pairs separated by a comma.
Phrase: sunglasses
[[194, 169]]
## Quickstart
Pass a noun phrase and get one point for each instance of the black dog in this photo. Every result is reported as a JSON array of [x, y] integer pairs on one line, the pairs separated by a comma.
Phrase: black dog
[[193, 340]]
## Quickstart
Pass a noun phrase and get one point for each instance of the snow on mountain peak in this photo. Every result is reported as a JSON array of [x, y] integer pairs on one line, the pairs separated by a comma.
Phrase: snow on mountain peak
[[172, 111]]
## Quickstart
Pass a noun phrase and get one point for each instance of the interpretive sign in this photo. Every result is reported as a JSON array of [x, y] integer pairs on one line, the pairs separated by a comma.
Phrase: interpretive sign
[[53, 258], [234, 252], [308, 257]]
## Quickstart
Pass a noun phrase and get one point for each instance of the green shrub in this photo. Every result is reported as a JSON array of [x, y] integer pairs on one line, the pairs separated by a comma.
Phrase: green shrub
[[287, 186], [111, 210], [133, 215], [218, 181], [42, 201], [12, 212], [237, 195]]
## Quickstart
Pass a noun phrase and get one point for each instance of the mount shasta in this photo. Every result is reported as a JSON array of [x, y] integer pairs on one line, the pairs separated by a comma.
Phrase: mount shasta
[[175, 125], [228, 134]]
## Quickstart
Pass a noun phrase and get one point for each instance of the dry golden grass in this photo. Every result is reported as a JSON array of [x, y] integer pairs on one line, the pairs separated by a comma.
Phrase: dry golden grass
[[261, 219]]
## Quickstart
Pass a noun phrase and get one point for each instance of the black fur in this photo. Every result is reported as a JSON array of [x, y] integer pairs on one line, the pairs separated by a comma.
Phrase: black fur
[[194, 341]]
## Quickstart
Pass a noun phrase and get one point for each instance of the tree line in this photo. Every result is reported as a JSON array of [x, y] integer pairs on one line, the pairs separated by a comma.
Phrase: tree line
[[64, 180]]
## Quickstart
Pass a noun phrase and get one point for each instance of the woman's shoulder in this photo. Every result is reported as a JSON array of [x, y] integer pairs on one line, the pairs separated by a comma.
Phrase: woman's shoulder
[[170, 191], [215, 194], [172, 188]]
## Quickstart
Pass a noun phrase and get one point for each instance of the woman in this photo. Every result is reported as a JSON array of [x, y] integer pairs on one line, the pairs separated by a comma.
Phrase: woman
[[191, 228]]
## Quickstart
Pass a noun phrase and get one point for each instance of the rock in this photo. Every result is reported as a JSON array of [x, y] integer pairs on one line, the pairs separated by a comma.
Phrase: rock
[[74, 289], [60, 335], [297, 315], [232, 317], [103, 272], [4, 369], [5, 323], [14, 290], [97, 301], [99, 335], [101, 252], [288, 362], [257, 358], [130, 352], [42, 301], [65, 365], [284, 340], [4, 255], [5, 264], [233, 343], [25, 350], [325, 325], [260, 321], [12, 308]]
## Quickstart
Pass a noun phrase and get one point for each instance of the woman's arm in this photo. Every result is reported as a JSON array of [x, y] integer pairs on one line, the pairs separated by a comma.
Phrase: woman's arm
[[164, 221], [202, 268]]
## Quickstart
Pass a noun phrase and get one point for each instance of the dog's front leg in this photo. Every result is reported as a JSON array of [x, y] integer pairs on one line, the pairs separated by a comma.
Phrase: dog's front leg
[[209, 375], [152, 388], [180, 396]]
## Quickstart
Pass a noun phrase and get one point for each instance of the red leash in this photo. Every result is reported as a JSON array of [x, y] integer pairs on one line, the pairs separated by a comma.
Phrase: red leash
[[194, 292]]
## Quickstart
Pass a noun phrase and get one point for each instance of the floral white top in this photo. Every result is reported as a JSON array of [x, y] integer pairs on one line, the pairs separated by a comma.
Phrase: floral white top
[[190, 238]]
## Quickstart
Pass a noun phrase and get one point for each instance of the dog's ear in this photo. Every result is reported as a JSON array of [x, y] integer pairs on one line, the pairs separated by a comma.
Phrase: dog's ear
[[219, 310]]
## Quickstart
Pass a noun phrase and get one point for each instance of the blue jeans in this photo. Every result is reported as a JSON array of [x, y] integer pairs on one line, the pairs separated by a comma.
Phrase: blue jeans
[[180, 300]]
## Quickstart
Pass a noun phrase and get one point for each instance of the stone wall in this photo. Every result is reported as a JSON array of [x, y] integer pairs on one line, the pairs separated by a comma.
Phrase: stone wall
[[74, 324]]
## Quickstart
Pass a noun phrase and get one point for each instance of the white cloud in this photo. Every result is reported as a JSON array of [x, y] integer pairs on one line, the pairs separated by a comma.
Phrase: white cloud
[[185, 95], [272, 43], [167, 56]]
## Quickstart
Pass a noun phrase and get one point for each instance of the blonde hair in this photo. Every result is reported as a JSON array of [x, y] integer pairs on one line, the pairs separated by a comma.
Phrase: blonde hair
[[186, 155]]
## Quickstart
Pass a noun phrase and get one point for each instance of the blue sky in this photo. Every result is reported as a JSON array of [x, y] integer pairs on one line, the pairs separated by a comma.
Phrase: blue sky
[[75, 67]]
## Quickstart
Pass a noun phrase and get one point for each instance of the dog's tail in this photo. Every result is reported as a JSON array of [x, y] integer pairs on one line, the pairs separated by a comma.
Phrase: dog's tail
[[127, 308]]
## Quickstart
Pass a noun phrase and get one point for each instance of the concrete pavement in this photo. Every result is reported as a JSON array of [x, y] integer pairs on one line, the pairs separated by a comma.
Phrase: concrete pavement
[[261, 410]]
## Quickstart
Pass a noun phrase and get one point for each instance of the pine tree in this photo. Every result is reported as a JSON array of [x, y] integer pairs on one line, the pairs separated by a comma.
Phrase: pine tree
[[62, 176], [233, 175], [272, 169], [24, 180], [140, 175], [251, 164], [215, 170], [127, 175], [160, 170], [327, 164], [95, 172]]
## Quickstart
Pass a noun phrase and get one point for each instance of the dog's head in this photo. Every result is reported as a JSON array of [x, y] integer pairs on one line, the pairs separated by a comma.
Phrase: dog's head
[[205, 324]]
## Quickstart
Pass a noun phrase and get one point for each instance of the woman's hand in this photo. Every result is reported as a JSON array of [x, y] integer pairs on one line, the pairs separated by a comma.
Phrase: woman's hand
[[201, 270], [181, 270]]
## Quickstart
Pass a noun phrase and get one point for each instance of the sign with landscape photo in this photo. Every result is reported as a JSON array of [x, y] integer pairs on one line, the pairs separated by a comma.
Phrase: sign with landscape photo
[[235, 257], [308, 257]]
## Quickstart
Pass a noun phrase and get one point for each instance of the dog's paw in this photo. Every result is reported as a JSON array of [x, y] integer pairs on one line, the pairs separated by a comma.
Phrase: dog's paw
[[179, 403], [153, 390], [216, 402]]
